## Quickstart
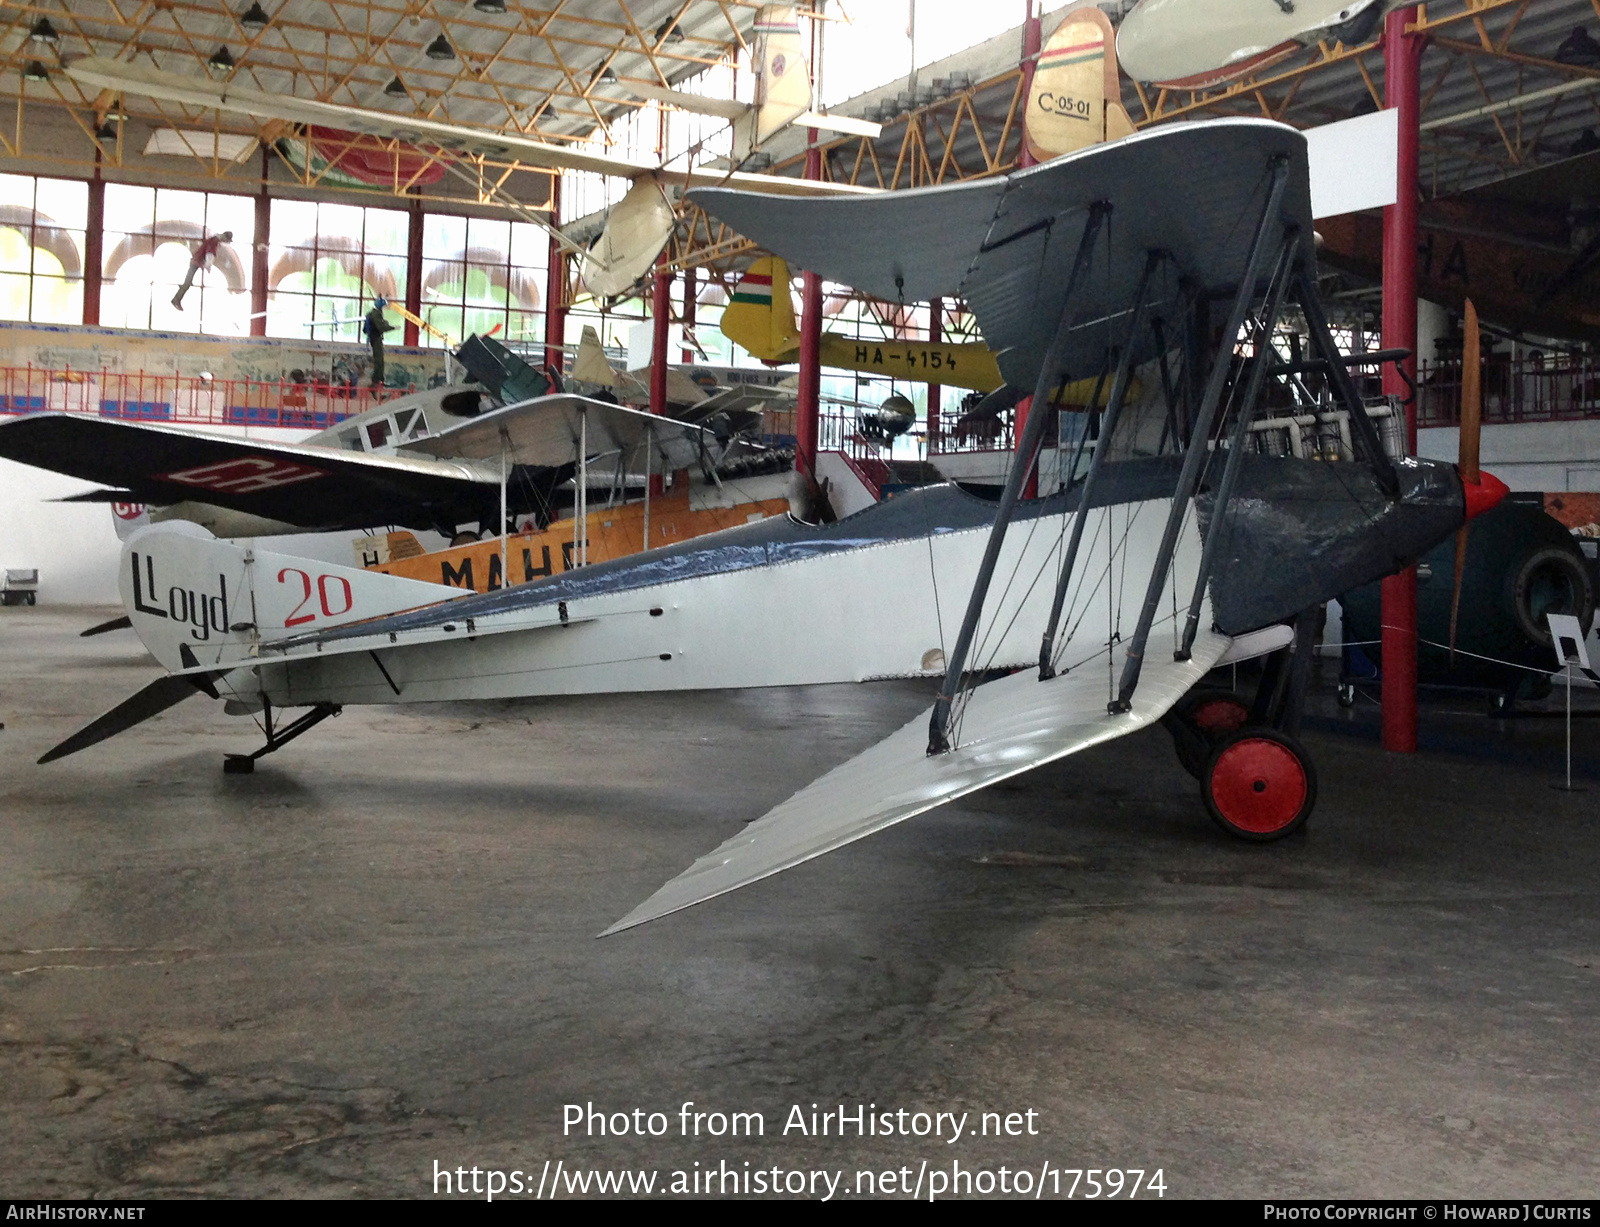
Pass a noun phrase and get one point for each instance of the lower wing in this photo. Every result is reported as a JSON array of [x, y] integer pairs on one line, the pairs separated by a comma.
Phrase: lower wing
[[1008, 726]]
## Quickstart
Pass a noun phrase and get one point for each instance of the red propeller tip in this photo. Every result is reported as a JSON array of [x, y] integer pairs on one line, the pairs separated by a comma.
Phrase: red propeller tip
[[1484, 494]]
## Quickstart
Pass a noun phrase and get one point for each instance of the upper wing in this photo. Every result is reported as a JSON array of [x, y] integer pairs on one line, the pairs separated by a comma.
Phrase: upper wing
[[301, 484], [1007, 245], [101, 73], [1007, 727], [550, 430]]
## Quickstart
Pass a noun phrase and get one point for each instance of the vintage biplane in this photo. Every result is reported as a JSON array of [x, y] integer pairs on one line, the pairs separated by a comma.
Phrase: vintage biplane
[[1180, 542], [637, 227], [433, 460]]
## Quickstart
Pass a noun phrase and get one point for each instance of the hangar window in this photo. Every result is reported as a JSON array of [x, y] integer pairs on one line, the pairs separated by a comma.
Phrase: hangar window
[[150, 240], [327, 264], [483, 276], [41, 248]]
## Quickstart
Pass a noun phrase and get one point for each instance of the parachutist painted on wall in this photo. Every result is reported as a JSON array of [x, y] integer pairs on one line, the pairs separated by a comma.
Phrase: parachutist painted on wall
[[204, 256]]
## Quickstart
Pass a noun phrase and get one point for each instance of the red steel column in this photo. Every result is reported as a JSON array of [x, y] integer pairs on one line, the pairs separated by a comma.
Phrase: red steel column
[[94, 245], [555, 288], [690, 289], [1402, 57], [412, 334], [660, 317], [260, 245], [810, 390], [935, 335], [1032, 40]]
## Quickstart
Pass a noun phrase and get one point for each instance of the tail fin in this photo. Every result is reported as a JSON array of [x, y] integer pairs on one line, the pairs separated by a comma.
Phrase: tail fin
[[761, 315], [1073, 102], [783, 79], [591, 364], [193, 599]]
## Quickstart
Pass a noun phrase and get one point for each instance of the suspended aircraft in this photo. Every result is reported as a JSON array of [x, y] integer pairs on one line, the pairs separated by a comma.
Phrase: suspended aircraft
[[1198, 44], [638, 226], [1175, 546]]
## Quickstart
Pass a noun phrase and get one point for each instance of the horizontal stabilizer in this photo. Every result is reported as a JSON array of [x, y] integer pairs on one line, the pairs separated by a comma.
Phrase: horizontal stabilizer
[[99, 496], [847, 124], [721, 108], [154, 699], [105, 628], [1009, 726]]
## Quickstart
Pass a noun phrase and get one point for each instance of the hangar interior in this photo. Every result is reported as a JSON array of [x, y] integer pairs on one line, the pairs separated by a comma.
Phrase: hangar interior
[[509, 329]]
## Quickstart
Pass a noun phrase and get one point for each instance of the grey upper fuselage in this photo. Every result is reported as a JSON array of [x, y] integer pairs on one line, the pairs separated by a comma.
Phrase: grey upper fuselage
[[1297, 533]]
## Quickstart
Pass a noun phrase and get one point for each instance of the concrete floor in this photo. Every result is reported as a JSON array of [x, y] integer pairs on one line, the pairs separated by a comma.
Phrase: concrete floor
[[378, 952]]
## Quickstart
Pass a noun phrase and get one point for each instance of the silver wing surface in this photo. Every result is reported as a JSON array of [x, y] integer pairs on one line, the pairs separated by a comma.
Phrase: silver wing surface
[[1007, 245], [550, 430], [1008, 727]]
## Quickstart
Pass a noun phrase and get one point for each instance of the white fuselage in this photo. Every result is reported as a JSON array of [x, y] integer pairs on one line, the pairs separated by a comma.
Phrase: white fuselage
[[889, 609]]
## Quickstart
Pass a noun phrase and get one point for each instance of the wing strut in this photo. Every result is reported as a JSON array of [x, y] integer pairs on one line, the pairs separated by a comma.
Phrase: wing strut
[[1021, 465], [1344, 387], [1265, 360], [1108, 425], [1200, 437]]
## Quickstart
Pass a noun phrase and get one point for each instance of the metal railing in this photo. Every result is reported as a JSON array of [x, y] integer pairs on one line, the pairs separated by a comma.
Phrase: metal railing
[[188, 400], [1556, 388]]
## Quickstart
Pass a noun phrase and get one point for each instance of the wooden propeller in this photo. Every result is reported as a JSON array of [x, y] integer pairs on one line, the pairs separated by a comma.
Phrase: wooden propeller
[[1467, 453]]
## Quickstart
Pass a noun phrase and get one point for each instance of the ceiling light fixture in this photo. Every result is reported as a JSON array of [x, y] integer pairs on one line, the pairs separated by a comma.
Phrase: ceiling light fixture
[[221, 62], [440, 49], [494, 8], [254, 18], [35, 71], [668, 30], [44, 32], [106, 131], [396, 87]]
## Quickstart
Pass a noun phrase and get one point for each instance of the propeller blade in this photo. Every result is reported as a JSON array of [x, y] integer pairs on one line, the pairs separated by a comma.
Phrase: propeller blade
[[1455, 592], [1471, 434], [1471, 397]]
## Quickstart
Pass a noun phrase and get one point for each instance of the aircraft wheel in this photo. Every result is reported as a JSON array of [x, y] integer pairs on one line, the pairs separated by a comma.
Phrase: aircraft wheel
[[1259, 785], [1205, 716]]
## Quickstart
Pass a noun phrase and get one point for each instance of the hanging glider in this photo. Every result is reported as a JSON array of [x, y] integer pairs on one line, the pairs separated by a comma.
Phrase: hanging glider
[[782, 92], [639, 224]]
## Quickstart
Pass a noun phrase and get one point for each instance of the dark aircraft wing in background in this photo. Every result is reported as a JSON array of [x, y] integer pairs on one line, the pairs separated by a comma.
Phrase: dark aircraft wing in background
[[308, 486]]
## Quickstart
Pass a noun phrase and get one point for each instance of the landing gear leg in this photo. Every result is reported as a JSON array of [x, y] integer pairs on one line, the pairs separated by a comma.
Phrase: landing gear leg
[[277, 738], [1257, 780]]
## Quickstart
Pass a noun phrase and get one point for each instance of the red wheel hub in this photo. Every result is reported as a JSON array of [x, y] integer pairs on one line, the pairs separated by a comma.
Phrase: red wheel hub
[[1258, 785]]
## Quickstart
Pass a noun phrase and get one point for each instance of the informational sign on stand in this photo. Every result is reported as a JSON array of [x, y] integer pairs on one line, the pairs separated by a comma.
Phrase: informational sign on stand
[[1572, 653]]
